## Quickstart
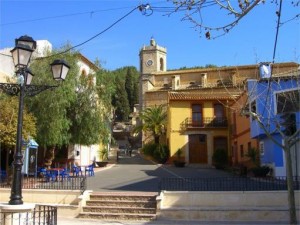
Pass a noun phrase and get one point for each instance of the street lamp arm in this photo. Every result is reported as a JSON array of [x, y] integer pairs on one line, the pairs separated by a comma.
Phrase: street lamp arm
[[29, 90], [10, 89], [32, 90]]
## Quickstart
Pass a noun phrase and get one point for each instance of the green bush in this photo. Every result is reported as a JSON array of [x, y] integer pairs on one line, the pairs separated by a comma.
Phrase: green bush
[[158, 152], [220, 158], [149, 148], [161, 153]]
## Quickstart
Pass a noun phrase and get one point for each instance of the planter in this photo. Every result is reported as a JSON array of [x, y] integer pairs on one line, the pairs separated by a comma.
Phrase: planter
[[102, 164], [220, 166], [179, 163], [261, 171]]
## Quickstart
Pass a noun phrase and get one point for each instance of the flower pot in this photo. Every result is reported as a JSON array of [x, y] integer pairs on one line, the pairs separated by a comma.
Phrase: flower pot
[[260, 171], [102, 164]]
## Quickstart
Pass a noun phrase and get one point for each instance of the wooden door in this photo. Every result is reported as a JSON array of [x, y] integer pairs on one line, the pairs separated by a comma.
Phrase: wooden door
[[198, 148]]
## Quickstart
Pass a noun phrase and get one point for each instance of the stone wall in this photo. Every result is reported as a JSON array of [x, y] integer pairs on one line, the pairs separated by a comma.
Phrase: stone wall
[[226, 206]]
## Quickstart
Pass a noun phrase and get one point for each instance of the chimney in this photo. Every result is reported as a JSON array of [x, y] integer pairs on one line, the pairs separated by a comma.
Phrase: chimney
[[265, 70], [203, 79], [175, 82]]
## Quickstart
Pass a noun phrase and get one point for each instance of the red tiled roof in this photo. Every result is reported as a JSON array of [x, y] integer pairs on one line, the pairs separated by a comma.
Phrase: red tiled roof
[[201, 96]]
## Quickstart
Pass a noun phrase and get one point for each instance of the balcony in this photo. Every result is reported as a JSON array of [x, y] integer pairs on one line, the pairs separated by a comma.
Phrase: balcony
[[206, 122]]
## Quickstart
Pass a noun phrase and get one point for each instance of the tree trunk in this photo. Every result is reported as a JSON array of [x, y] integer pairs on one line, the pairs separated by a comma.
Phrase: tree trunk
[[156, 139], [291, 193], [50, 154]]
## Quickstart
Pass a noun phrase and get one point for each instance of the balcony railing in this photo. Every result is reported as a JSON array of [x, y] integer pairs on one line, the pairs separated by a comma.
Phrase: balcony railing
[[206, 122]]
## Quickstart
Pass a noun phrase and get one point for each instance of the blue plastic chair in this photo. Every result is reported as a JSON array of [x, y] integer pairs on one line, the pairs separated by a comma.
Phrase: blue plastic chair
[[51, 175], [76, 171], [90, 170], [65, 174], [3, 175], [42, 172]]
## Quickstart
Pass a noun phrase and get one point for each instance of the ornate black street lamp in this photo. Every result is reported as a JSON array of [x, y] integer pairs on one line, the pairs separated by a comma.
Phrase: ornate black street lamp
[[21, 54]]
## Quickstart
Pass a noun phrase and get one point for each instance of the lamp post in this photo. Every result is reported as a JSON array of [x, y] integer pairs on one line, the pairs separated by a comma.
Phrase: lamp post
[[21, 54]]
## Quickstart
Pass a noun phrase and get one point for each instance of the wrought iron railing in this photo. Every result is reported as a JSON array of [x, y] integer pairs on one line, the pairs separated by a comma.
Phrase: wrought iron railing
[[73, 183], [41, 215], [235, 183], [206, 122]]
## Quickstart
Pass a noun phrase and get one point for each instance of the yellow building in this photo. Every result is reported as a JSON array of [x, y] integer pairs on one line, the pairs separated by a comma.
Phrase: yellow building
[[198, 102], [197, 124]]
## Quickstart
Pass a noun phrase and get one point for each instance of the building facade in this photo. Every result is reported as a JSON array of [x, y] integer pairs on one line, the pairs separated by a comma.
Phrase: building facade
[[241, 142], [198, 102], [274, 103]]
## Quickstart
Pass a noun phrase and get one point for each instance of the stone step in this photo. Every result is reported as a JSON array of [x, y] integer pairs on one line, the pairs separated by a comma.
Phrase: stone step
[[122, 198], [144, 204], [117, 216], [115, 206], [127, 210]]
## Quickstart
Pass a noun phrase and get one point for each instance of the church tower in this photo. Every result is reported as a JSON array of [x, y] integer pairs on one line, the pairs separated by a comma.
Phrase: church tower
[[153, 58]]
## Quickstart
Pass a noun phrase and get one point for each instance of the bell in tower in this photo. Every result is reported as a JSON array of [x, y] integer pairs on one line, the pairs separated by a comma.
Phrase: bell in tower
[[152, 42]]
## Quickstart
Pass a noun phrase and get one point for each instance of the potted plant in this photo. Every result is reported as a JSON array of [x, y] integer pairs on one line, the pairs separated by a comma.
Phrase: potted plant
[[260, 171], [220, 159], [104, 158], [179, 162]]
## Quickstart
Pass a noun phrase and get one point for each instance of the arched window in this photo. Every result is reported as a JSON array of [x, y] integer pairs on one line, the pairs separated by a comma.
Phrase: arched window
[[83, 72], [141, 66], [161, 61]]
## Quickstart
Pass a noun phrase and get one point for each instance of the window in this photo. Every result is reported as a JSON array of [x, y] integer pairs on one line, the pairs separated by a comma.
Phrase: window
[[218, 110], [161, 64], [202, 138], [83, 73], [242, 150], [249, 147], [197, 114], [262, 148], [288, 101], [253, 108], [234, 131]]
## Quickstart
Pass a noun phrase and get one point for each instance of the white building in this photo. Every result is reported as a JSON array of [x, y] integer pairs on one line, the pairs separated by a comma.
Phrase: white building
[[81, 155]]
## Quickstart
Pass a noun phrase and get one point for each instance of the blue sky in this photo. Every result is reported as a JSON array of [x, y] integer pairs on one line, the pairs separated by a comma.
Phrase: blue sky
[[251, 42]]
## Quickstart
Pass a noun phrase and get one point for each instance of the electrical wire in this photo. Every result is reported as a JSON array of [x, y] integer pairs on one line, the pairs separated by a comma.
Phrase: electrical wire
[[96, 35], [62, 16], [142, 8], [277, 30], [274, 53]]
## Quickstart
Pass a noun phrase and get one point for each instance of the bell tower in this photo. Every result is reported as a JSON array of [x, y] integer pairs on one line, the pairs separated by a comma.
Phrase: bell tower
[[153, 58]]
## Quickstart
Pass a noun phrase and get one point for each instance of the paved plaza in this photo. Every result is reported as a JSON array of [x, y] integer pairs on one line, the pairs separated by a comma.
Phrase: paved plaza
[[136, 174]]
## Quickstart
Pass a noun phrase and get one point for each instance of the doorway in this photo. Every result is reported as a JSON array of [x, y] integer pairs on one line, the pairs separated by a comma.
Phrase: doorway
[[198, 148]]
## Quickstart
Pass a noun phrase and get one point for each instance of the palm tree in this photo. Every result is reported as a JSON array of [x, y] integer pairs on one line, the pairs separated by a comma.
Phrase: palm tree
[[154, 120]]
